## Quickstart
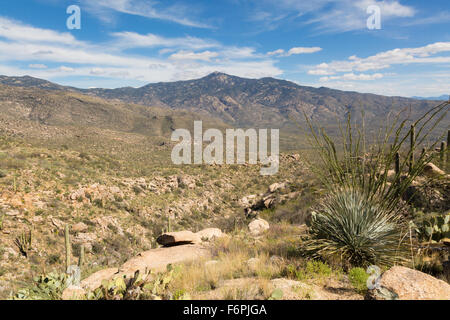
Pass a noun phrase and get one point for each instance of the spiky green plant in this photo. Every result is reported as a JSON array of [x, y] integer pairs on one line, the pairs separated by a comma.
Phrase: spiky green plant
[[357, 231], [360, 219]]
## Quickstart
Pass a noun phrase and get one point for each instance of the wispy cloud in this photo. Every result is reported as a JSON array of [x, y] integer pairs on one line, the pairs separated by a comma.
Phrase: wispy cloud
[[127, 39], [333, 16], [176, 13]]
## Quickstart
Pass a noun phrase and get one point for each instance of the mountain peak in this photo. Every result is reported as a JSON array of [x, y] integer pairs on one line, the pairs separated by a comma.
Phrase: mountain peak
[[217, 74]]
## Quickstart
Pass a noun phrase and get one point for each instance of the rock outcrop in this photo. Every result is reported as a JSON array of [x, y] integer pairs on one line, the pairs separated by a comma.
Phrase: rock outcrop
[[408, 284], [210, 234]]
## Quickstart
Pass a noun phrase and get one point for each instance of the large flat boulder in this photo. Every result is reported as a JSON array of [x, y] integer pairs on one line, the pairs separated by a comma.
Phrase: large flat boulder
[[177, 238], [155, 260], [408, 284], [158, 259]]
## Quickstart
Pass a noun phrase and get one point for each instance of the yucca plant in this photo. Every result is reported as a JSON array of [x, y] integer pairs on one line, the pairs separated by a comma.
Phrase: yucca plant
[[356, 230], [360, 219]]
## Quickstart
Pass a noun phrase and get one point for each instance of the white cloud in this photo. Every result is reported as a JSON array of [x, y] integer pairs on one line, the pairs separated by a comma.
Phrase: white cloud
[[97, 71], [92, 61], [296, 50], [189, 55], [386, 59], [19, 32], [354, 77], [66, 69], [276, 52], [302, 50], [37, 66]]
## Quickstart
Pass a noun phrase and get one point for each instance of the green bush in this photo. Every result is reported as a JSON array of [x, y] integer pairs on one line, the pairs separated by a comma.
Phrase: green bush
[[319, 268], [358, 278]]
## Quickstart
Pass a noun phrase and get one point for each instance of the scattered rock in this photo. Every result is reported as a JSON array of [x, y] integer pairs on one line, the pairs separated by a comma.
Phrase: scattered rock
[[37, 219], [248, 201], [73, 293], [277, 186], [276, 260], [57, 223], [432, 170], [253, 263], [210, 234], [86, 239], [178, 238], [409, 284], [108, 223], [13, 213], [211, 263], [269, 201], [186, 182], [79, 227], [258, 227]]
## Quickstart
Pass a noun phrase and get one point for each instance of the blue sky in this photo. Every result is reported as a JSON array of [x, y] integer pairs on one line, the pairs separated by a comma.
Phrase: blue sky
[[316, 43]]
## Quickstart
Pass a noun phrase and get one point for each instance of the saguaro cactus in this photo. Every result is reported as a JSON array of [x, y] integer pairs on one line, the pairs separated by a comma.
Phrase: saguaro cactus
[[67, 242], [397, 163], [81, 261], [448, 140]]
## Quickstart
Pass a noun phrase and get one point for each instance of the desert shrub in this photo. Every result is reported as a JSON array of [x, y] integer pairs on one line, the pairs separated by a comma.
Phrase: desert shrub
[[358, 278], [312, 269], [351, 227], [54, 258]]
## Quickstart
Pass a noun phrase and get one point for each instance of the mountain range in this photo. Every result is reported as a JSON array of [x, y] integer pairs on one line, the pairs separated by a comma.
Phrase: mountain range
[[224, 99]]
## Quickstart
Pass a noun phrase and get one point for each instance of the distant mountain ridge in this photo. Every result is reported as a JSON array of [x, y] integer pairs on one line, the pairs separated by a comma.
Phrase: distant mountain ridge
[[444, 97], [265, 102]]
